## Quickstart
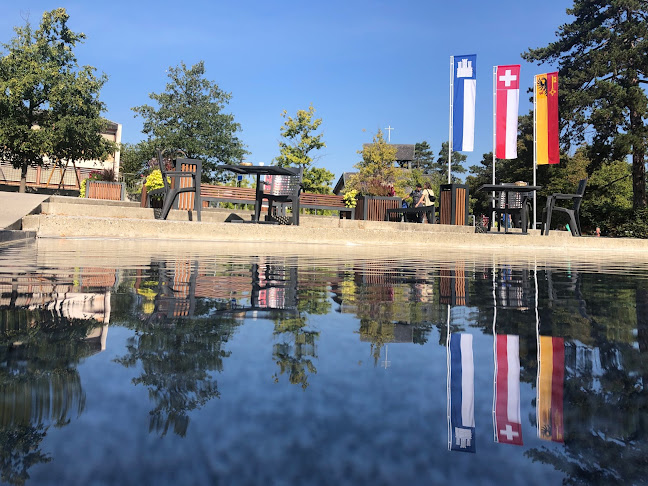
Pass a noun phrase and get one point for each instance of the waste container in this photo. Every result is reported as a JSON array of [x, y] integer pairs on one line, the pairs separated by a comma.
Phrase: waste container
[[454, 204]]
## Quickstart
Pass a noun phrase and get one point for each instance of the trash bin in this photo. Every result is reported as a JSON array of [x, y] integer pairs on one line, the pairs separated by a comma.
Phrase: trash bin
[[454, 204]]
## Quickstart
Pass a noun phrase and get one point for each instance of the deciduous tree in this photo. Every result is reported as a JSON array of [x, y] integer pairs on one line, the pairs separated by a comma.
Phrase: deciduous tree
[[49, 106], [190, 116], [298, 141], [377, 175]]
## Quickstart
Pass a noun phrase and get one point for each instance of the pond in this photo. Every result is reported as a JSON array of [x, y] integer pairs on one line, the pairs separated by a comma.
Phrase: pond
[[146, 362]]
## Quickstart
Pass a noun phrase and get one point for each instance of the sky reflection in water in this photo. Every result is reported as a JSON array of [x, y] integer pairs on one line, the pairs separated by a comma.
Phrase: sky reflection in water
[[125, 363]]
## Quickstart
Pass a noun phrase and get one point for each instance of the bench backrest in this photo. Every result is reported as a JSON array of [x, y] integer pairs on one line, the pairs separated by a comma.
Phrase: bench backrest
[[186, 199], [314, 199]]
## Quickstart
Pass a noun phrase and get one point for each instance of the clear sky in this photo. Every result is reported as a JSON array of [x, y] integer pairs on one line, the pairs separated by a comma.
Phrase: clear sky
[[363, 64]]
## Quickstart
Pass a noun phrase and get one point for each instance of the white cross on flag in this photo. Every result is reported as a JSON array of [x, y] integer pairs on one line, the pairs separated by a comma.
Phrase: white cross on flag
[[507, 86], [508, 420]]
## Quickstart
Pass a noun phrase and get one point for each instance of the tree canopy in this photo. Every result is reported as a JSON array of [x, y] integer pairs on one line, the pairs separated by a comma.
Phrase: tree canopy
[[297, 143], [441, 165], [603, 66], [190, 117], [377, 175], [49, 105], [423, 158]]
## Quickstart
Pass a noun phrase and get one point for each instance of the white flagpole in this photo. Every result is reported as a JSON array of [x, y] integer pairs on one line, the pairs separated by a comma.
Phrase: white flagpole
[[451, 118], [448, 380], [494, 353], [535, 152], [494, 137]]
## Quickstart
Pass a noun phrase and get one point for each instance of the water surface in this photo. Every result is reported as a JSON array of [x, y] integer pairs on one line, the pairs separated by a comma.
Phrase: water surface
[[194, 363]]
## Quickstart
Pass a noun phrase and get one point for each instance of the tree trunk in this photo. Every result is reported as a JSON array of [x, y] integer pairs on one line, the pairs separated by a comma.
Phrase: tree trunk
[[638, 178], [638, 161], [23, 179]]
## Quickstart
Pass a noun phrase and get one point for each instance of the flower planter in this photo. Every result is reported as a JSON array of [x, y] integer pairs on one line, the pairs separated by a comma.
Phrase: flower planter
[[112, 191]]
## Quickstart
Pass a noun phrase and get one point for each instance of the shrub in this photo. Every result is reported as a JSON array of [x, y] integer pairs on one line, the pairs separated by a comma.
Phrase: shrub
[[350, 198], [154, 181], [635, 227]]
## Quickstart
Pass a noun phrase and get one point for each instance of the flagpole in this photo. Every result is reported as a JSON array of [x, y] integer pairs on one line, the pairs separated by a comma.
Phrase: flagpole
[[494, 355], [448, 380], [451, 119], [535, 278], [494, 138], [535, 151]]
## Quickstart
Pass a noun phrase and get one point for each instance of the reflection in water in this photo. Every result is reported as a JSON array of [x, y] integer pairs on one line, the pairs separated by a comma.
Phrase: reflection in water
[[506, 413], [553, 358], [551, 371], [46, 329], [461, 396]]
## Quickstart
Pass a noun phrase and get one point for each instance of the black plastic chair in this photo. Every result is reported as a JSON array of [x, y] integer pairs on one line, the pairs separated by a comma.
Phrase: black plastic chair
[[573, 212], [171, 191]]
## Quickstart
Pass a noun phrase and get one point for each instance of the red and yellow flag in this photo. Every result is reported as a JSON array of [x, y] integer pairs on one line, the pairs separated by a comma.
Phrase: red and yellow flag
[[546, 130], [551, 373]]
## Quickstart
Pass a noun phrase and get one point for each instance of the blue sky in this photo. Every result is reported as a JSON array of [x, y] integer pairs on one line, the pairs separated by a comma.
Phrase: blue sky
[[364, 65]]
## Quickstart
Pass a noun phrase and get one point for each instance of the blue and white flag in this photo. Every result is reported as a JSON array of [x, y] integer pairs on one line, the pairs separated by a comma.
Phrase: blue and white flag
[[461, 396], [463, 102]]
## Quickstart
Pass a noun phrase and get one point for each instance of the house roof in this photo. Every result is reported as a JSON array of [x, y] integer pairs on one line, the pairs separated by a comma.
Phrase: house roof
[[404, 152], [339, 186]]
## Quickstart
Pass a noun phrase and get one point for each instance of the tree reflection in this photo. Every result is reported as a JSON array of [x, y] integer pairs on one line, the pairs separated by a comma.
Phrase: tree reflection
[[294, 353], [39, 382], [178, 358], [606, 417]]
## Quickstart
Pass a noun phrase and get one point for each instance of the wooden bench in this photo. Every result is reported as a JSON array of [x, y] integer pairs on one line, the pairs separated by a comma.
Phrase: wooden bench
[[247, 195], [402, 213], [310, 200], [229, 194]]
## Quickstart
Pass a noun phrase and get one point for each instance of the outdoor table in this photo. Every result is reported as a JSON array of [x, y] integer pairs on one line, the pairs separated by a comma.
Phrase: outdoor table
[[506, 188], [259, 170]]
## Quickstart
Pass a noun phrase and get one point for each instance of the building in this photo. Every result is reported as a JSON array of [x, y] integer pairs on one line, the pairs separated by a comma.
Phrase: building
[[48, 177]]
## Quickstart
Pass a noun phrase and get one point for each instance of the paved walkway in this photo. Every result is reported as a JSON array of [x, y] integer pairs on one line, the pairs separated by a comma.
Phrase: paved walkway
[[14, 206]]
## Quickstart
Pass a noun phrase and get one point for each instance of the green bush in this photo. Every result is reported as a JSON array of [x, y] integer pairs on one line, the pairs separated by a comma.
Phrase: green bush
[[635, 227], [350, 200], [154, 181]]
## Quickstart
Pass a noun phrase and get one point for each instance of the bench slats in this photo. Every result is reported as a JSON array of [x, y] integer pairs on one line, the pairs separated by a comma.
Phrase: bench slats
[[244, 195]]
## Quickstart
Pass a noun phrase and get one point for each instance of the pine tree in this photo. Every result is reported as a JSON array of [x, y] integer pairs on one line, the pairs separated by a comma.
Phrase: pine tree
[[602, 63]]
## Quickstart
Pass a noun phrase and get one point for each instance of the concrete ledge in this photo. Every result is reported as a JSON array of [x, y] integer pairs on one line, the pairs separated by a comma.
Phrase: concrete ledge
[[435, 238], [15, 235]]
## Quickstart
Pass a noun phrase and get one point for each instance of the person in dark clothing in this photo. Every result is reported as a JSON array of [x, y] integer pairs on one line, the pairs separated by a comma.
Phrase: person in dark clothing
[[416, 195]]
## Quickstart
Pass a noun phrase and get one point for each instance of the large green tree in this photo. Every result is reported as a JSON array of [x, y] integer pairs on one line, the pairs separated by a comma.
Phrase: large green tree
[[190, 117], [299, 140], [601, 56], [423, 158], [75, 105], [377, 175], [49, 106], [441, 165]]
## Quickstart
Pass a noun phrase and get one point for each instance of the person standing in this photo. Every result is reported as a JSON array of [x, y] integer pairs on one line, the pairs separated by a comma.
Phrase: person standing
[[428, 201]]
